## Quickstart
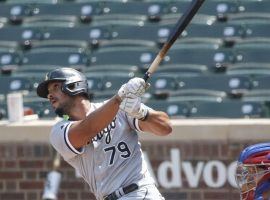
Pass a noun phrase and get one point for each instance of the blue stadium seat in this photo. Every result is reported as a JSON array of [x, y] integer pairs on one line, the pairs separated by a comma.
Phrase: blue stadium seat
[[38, 106], [3, 21], [250, 69], [252, 51], [205, 54], [174, 109], [183, 69], [138, 56], [83, 11], [49, 56], [114, 68], [261, 82], [228, 33], [254, 6], [232, 85], [228, 109], [257, 30], [216, 8], [149, 10], [91, 34], [10, 84], [24, 36], [162, 85], [33, 1], [15, 12], [9, 58], [50, 21], [191, 95]]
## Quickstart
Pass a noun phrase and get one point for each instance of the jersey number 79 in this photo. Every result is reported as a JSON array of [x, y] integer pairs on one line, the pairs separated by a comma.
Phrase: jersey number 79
[[122, 148]]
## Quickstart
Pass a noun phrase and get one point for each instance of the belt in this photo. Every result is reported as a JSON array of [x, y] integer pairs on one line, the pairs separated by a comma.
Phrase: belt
[[121, 191]]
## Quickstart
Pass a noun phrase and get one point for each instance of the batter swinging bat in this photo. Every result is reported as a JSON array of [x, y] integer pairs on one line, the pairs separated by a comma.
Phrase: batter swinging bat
[[178, 29]]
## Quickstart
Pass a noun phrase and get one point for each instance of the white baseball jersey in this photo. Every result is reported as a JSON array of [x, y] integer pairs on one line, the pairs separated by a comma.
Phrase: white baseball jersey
[[113, 158]]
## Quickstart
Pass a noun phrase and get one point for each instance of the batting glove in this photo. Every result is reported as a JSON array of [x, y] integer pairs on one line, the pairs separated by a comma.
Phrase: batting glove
[[133, 107], [135, 86]]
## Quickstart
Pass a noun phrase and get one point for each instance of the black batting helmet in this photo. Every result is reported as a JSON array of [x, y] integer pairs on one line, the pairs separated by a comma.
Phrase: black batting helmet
[[74, 82]]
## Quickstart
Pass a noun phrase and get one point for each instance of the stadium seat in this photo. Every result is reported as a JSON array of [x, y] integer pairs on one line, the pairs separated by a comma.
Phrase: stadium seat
[[261, 82], [228, 109], [228, 33], [39, 106], [254, 6], [3, 21], [205, 54], [210, 7], [9, 58], [174, 109], [91, 34], [112, 82], [138, 56], [50, 21], [10, 46], [182, 69], [250, 69], [232, 85], [130, 69], [191, 95], [33, 1], [94, 82], [133, 9], [60, 44], [257, 30], [35, 70], [10, 84], [171, 19], [83, 11], [162, 85], [249, 18], [148, 35], [51, 56], [252, 51], [24, 36], [15, 12], [258, 95]]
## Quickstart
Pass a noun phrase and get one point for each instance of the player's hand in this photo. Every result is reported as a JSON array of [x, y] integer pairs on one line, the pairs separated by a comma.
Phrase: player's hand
[[133, 107], [135, 86]]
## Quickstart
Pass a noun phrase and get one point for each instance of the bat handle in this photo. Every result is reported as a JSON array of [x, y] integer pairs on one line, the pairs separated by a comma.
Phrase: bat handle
[[146, 76]]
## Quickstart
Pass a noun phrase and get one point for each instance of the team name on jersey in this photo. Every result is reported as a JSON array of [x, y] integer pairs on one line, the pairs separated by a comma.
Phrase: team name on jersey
[[105, 132]]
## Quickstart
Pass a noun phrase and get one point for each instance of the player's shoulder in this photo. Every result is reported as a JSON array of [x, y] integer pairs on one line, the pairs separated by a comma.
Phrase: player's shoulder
[[60, 125]]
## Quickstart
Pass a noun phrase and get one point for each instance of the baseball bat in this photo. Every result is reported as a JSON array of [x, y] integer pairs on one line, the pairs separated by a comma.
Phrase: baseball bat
[[177, 31]]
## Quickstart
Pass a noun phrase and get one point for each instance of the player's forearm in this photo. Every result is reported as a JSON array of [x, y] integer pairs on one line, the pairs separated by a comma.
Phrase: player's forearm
[[83, 131], [157, 122]]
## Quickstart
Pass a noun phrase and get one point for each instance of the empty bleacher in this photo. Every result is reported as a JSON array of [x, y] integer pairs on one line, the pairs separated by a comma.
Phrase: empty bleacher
[[219, 66]]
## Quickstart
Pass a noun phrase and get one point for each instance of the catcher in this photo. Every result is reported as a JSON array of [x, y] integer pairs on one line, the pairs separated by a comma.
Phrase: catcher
[[253, 172]]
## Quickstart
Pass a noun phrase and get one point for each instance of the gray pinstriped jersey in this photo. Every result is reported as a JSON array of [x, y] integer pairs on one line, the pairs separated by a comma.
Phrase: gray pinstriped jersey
[[112, 159]]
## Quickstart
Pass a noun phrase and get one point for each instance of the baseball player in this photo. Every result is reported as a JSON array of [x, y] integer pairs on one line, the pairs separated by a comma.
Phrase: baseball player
[[98, 139], [253, 172]]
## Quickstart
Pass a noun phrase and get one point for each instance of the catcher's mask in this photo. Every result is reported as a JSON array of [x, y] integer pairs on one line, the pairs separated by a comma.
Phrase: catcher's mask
[[253, 172]]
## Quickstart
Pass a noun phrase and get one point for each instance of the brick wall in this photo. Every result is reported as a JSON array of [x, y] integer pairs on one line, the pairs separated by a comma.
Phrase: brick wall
[[23, 168]]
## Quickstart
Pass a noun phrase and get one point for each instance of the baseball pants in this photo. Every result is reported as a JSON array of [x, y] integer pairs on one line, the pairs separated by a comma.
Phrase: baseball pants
[[147, 192]]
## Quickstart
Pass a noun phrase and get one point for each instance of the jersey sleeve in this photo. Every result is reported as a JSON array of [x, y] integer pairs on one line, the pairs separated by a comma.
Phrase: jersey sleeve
[[133, 122], [60, 141]]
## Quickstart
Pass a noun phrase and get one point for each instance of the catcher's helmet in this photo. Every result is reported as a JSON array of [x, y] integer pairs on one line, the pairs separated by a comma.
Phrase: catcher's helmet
[[74, 82], [253, 171]]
